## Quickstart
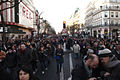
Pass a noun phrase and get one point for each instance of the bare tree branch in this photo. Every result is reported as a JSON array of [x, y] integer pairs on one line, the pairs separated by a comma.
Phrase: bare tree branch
[[5, 2], [9, 7]]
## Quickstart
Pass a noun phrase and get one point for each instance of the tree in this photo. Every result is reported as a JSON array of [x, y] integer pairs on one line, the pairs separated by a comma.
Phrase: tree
[[14, 3]]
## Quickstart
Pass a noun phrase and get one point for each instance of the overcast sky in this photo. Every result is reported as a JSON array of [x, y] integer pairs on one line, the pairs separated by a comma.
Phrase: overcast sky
[[57, 11]]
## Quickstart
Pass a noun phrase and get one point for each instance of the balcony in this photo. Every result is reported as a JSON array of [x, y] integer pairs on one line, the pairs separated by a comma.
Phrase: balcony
[[118, 25], [111, 8]]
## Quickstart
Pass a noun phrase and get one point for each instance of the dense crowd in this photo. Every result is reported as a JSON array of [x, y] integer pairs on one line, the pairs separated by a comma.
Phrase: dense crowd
[[99, 57]]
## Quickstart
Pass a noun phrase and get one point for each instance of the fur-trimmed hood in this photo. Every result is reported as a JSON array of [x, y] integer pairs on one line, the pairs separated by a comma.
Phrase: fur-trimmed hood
[[113, 62]]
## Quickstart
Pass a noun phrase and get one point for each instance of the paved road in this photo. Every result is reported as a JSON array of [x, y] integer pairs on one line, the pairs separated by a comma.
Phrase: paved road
[[50, 74]]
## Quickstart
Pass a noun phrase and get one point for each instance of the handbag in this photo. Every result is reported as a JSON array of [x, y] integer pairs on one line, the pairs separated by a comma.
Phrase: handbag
[[57, 57]]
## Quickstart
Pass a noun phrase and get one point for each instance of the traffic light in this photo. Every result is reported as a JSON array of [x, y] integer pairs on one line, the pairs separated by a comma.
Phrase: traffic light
[[64, 24]]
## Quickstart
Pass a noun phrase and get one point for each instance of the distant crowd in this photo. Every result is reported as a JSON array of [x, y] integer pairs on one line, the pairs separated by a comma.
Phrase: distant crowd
[[99, 58]]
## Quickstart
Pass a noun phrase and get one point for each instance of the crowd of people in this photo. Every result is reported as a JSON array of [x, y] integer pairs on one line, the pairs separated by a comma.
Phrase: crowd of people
[[25, 54], [99, 57]]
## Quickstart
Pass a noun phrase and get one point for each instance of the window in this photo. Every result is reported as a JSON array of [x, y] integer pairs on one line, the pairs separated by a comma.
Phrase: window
[[113, 0], [112, 14], [118, 0], [106, 22], [106, 14], [116, 14], [116, 24], [112, 22]]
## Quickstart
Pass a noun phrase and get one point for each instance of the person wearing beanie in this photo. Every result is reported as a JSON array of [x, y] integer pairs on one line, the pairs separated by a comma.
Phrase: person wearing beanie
[[110, 63], [9, 48], [89, 51]]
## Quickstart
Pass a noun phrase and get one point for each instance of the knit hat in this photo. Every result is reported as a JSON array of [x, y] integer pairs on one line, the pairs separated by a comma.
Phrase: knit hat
[[105, 53], [90, 51], [9, 48]]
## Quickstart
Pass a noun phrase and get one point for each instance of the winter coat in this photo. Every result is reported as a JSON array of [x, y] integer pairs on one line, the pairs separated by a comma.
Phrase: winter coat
[[24, 58], [4, 75], [76, 48], [34, 54], [114, 68], [115, 52], [59, 56], [79, 72], [11, 60], [42, 56]]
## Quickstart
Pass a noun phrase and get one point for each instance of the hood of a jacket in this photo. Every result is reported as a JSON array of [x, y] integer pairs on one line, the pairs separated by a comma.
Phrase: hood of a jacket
[[113, 62]]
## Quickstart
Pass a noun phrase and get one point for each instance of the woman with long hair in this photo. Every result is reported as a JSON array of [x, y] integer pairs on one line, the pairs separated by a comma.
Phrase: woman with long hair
[[59, 57], [26, 73]]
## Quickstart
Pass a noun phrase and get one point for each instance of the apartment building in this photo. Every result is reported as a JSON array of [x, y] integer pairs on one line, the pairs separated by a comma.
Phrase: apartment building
[[103, 18], [19, 20]]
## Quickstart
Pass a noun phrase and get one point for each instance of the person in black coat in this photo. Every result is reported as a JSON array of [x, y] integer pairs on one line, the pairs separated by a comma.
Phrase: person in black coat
[[24, 56], [11, 62], [83, 71], [116, 51], [34, 57], [42, 56], [59, 58], [4, 75]]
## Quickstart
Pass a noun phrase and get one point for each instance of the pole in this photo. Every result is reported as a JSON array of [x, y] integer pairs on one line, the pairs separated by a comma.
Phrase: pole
[[38, 27], [109, 24], [3, 25], [39, 23]]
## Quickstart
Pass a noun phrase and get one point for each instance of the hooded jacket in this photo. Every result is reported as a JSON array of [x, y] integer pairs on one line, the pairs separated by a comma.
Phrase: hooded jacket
[[114, 68]]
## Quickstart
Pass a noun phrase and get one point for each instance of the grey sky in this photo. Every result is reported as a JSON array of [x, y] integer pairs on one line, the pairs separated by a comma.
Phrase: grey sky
[[57, 11]]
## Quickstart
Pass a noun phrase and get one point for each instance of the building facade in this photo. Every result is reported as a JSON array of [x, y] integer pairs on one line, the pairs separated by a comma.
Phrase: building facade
[[20, 20], [103, 18], [74, 23]]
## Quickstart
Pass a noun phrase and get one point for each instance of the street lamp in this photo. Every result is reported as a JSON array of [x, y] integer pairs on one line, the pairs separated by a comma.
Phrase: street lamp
[[109, 24], [38, 26]]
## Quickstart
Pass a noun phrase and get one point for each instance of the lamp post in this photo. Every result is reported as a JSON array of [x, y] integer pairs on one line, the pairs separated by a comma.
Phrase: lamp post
[[109, 25], [38, 26], [3, 25]]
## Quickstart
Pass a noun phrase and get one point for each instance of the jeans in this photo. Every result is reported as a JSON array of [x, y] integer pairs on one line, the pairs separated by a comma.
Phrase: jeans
[[75, 55], [59, 66]]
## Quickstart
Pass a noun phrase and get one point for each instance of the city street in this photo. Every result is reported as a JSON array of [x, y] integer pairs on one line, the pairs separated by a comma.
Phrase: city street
[[50, 74], [46, 39]]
